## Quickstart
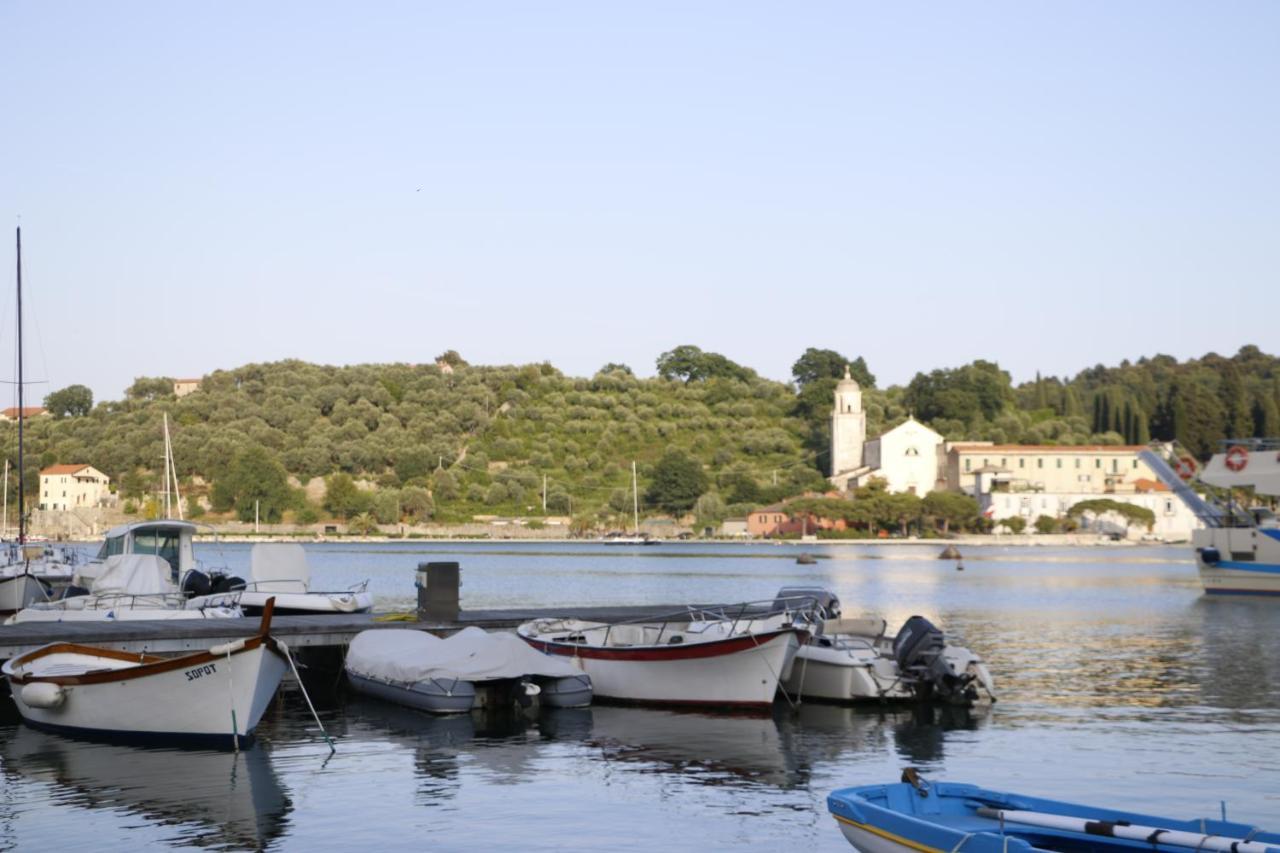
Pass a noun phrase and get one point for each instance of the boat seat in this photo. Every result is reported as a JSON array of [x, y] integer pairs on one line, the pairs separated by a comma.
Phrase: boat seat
[[866, 626]]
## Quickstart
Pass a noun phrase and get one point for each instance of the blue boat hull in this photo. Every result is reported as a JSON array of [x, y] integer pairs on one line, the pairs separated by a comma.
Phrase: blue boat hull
[[896, 818]]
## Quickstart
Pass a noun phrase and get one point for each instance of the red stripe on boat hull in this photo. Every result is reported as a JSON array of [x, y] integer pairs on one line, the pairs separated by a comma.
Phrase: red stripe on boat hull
[[715, 648]]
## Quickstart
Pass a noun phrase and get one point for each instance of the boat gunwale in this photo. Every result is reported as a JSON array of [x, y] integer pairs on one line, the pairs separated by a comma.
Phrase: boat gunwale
[[149, 665], [654, 652]]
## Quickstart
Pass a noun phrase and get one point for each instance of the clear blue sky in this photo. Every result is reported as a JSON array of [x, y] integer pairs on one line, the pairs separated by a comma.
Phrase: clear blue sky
[[1050, 186]]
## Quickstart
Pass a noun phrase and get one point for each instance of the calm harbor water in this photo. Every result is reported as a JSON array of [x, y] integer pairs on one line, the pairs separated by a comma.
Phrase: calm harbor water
[[1119, 684]]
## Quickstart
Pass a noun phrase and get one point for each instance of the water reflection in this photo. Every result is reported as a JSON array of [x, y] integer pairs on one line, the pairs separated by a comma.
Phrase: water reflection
[[214, 799]]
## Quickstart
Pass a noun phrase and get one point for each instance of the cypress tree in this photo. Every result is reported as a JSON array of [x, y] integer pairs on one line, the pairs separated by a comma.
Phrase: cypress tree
[[1235, 404], [1127, 423], [1070, 402], [1042, 396], [1141, 430]]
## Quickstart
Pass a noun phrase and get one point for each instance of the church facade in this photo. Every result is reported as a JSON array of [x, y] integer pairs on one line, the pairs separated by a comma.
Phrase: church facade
[[909, 458]]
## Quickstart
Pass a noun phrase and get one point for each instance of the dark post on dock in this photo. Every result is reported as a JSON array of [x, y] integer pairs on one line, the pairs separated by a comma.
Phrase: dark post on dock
[[438, 599]]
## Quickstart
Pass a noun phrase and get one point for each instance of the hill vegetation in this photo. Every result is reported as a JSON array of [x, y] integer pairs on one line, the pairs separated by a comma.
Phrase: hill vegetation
[[449, 441]]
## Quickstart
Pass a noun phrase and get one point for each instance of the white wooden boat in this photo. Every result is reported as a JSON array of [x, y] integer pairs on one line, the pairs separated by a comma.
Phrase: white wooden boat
[[724, 657], [127, 587], [213, 698], [472, 669], [916, 816], [279, 570]]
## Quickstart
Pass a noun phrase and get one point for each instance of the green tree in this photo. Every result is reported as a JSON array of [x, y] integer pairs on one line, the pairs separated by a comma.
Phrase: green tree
[[146, 388], [72, 401], [676, 483], [614, 367], [691, 364], [816, 364], [980, 388], [416, 503], [343, 497], [1014, 524], [363, 524], [451, 358], [385, 507], [951, 509], [1046, 524], [255, 482]]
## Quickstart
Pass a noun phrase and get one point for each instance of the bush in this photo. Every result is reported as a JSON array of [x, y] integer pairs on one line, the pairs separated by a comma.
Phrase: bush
[[1015, 524], [1046, 524]]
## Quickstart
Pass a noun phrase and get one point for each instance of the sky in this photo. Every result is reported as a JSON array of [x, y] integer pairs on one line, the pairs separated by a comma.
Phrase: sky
[[1046, 185]]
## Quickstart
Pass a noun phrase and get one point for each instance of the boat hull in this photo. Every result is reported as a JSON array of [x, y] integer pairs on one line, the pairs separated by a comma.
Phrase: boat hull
[[740, 672], [831, 675], [20, 591], [1238, 561], [192, 703]]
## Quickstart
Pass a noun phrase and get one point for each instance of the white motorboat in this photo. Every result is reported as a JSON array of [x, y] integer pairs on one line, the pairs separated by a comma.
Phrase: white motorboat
[[1238, 551], [276, 570], [214, 697], [469, 670], [721, 657], [127, 587], [856, 659]]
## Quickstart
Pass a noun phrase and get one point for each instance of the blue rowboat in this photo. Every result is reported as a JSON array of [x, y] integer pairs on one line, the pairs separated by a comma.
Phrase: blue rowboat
[[945, 817]]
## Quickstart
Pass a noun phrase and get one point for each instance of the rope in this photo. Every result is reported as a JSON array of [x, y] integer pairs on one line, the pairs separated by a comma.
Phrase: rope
[[961, 842], [289, 657], [773, 672], [231, 691]]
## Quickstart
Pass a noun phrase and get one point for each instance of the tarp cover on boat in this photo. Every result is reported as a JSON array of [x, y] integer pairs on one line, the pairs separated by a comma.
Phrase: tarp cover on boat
[[472, 654], [1246, 467], [134, 574], [279, 567]]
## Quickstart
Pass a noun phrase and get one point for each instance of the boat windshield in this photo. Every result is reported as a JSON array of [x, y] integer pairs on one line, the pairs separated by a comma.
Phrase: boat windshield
[[112, 546], [162, 543]]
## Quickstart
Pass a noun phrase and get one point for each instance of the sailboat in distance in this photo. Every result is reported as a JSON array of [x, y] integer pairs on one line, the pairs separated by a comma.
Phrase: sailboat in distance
[[635, 537], [28, 573]]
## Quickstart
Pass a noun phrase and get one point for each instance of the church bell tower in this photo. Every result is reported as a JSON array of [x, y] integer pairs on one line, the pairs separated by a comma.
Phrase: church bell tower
[[848, 428]]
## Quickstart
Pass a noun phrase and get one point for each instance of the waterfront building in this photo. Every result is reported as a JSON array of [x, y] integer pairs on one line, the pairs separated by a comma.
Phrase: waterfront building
[[65, 487], [183, 387], [766, 520], [28, 412]]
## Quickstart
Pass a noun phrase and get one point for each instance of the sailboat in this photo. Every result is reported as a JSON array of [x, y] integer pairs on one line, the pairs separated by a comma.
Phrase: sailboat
[[636, 537], [28, 572]]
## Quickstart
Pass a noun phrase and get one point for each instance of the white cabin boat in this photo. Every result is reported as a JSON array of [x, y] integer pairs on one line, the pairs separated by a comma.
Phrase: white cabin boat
[[127, 587], [213, 698], [724, 657], [1238, 552], [33, 572]]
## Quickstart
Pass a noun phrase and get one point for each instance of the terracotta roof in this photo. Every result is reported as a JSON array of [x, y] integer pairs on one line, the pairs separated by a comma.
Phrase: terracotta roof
[[770, 508], [1050, 448], [197, 380], [64, 469], [27, 411]]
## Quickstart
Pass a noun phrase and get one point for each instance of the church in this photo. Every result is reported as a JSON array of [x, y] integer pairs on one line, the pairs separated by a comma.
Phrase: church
[[909, 458]]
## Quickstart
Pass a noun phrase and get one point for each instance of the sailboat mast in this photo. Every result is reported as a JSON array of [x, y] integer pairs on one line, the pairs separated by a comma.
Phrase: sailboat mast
[[635, 495], [22, 471]]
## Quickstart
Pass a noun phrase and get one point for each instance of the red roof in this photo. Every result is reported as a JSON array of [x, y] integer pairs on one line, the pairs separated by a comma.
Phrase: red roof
[[27, 411], [64, 469]]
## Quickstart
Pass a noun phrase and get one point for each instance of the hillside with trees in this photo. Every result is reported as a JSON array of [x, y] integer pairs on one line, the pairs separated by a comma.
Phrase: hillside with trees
[[449, 441]]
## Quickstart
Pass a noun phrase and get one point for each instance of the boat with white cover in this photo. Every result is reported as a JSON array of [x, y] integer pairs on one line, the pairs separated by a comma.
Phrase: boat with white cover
[[127, 587], [720, 657], [1238, 550], [857, 660], [277, 570], [917, 816], [469, 670], [213, 697]]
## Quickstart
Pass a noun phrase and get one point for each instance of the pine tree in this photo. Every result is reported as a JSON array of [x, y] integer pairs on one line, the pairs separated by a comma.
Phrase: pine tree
[[1235, 403]]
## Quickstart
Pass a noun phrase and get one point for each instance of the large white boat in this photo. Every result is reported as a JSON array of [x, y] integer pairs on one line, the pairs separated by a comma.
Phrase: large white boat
[[214, 697], [722, 657], [1238, 551], [126, 587]]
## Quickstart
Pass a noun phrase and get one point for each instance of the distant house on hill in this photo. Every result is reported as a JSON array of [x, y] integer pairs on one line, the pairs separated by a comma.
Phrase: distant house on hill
[[64, 487], [183, 387], [445, 367], [28, 412]]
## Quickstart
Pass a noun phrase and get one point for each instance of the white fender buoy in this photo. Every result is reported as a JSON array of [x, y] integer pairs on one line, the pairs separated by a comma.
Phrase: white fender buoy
[[42, 694], [227, 648]]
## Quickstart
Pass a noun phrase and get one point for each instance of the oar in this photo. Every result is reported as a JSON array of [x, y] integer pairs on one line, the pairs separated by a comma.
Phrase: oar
[[1131, 831]]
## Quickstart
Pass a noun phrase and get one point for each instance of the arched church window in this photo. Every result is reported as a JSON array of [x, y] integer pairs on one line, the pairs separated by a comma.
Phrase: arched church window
[[911, 451]]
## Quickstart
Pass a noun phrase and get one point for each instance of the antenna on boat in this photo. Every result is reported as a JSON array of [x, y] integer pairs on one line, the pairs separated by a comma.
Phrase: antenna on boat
[[22, 478]]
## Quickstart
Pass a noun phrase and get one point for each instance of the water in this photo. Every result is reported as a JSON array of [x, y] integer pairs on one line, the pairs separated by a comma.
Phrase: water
[[1119, 684]]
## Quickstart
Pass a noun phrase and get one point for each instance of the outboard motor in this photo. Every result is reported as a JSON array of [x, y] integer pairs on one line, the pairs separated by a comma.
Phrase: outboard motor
[[196, 583], [227, 583], [918, 651]]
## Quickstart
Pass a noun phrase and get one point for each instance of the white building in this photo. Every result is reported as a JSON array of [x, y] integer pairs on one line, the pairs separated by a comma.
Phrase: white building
[[65, 487], [1174, 520], [183, 387], [908, 457]]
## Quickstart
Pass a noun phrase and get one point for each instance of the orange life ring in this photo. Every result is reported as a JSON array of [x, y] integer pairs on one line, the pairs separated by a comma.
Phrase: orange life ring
[[1237, 458], [1186, 467]]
